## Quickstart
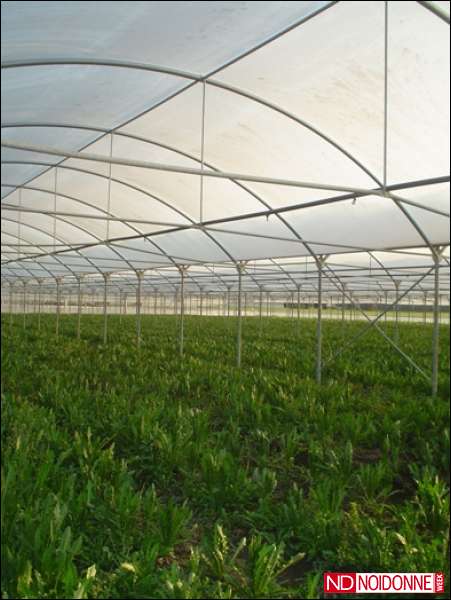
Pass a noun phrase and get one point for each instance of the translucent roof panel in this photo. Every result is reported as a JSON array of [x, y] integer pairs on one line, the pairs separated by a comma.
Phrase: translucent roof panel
[[149, 135]]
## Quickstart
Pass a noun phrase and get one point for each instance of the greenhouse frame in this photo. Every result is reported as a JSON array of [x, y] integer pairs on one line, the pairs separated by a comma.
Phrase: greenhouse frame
[[227, 158]]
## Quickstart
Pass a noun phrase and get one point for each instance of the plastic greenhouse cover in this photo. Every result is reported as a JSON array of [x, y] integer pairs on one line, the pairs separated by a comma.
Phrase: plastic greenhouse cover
[[291, 130]]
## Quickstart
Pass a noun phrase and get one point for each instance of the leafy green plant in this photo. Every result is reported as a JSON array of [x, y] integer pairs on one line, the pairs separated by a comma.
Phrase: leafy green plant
[[172, 521], [132, 474]]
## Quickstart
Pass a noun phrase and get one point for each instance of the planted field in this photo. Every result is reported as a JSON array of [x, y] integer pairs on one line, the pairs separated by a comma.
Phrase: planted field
[[127, 473]]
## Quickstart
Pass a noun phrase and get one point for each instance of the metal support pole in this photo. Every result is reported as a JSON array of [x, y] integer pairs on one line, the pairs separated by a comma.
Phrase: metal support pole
[[182, 270], [260, 305], [35, 301], [39, 303], [240, 267], [79, 308], [10, 304], [396, 336], [106, 277], [58, 291], [228, 301], [24, 304], [140, 275], [319, 333], [436, 327], [343, 304], [386, 304], [425, 307], [298, 308], [201, 302]]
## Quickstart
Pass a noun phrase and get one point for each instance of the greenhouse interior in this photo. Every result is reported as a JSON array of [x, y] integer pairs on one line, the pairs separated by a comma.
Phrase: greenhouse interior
[[225, 217]]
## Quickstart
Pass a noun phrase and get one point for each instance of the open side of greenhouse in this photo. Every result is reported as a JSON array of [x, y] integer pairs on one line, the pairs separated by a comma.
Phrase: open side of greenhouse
[[227, 158]]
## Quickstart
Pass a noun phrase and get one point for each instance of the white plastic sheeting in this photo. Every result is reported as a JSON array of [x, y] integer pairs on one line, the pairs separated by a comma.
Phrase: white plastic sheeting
[[351, 94]]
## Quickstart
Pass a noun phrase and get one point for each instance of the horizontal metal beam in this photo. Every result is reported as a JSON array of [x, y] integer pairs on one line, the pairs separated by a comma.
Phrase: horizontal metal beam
[[141, 164], [181, 227], [353, 191]]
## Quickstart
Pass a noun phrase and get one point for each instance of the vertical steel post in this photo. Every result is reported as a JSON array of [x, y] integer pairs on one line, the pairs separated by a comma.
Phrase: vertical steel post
[[436, 327], [319, 334], [240, 268], [24, 306], [343, 303], [425, 300], [106, 277], [298, 307], [39, 303], [396, 336], [58, 292], [182, 270], [260, 305], [78, 307], [10, 304], [139, 275], [386, 306], [35, 300]]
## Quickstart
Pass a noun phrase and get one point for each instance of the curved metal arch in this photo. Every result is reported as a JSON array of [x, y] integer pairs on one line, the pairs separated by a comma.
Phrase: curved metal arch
[[111, 246], [222, 248], [95, 237], [84, 203], [126, 184], [138, 189], [380, 263], [24, 260], [25, 269], [99, 241], [195, 78], [40, 263], [287, 273], [206, 79], [209, 165], [114, 249], [171, 148], [72, 249], [222, 175], [235, 181]]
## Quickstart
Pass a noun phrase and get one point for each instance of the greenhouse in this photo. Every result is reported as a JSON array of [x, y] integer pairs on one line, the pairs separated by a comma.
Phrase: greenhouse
[[225, 296]]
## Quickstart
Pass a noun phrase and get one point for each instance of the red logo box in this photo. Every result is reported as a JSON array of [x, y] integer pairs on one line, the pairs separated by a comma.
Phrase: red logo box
[[383, 583]]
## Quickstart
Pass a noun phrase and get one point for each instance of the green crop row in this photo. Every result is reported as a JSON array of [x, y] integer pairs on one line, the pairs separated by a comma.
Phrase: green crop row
[[130, 473]]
